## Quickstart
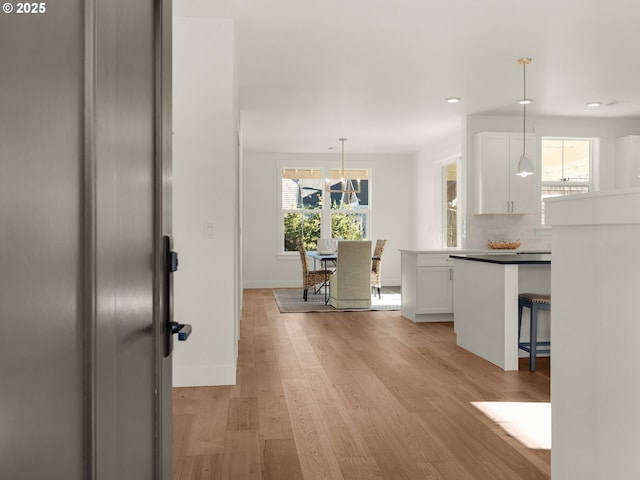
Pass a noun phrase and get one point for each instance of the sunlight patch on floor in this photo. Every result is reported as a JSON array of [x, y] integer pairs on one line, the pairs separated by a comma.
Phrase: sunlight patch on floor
[[387, 299], [528, 422]]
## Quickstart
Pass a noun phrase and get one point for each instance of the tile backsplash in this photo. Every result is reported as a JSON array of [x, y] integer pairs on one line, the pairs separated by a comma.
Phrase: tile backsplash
[[480, 229]]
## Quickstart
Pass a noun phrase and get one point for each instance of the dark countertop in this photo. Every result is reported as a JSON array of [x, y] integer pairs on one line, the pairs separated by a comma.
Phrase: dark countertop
[[517, 259]]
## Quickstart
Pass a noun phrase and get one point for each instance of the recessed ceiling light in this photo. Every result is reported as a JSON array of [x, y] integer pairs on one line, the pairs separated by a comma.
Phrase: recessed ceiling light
[[525, 101], [453, 99], [594, 104]]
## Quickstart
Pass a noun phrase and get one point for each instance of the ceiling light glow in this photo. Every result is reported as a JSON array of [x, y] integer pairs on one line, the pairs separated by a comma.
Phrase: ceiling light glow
[[594, 104], [525, 101], [453, 99]]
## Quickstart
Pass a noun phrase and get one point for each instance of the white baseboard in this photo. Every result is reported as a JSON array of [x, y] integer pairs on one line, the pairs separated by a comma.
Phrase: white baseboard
[[204, 375]]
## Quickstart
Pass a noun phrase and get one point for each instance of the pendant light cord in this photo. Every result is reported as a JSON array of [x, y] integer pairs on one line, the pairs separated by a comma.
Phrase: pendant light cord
[[342, 171], [342, 140], [524, 108]]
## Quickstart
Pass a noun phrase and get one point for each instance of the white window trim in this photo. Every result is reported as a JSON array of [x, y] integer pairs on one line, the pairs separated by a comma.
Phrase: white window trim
[[594, 169], [324, 212], [444, 203]]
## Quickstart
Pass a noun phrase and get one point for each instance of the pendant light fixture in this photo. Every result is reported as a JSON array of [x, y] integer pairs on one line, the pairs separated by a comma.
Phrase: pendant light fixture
[[346, 185], [525, 167]]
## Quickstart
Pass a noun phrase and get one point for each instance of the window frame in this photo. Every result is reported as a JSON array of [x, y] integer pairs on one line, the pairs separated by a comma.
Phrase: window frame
[[444, 174], [591, 184], [325, 211]]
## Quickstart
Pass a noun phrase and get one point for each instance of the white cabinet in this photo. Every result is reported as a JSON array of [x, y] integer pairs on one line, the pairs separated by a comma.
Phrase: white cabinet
[[498, 188], [427, 286], [435, 290], [628, 161]]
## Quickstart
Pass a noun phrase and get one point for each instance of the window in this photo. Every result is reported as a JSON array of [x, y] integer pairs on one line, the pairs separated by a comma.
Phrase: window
[[311, 211], [450, 184], [566, 166]]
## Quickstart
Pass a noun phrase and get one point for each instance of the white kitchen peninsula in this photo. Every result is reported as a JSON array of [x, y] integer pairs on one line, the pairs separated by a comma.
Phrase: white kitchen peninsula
[[427, 282], [486, 303], [595, 384]]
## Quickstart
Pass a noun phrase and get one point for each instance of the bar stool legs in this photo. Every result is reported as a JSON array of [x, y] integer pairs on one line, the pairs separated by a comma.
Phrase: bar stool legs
[[535, 302]]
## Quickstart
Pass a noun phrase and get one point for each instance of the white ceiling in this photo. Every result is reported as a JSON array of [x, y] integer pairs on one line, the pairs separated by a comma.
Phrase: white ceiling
[[378, 71]]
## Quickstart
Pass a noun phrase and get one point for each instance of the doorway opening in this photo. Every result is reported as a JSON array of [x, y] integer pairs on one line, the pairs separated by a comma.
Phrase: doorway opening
[[450, 203]]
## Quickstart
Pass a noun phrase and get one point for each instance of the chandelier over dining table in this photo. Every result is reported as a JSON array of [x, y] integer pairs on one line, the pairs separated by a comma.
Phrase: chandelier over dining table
[[346, 183]]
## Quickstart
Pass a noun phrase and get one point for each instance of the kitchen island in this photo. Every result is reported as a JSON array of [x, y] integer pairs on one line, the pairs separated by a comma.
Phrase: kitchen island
[[485, 303], [427, 283], [428, 278]]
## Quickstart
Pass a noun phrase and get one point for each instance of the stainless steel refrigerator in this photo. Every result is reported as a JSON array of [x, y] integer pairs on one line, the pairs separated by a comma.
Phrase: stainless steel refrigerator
[[85, 186]]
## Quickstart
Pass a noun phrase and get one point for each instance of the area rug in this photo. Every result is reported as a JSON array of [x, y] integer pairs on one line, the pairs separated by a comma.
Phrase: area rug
[[290, 300]]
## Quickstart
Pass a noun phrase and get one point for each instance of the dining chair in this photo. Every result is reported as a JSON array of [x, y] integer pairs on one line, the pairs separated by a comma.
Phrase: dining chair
[[310, 278], [376, 266], [350, 285]]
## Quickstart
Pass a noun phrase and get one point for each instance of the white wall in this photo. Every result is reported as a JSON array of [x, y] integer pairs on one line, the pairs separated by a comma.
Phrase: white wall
[[205, 207], [390, 200], [428, 195], [606, 129], [595, 387], [426, 205], [482, 228]]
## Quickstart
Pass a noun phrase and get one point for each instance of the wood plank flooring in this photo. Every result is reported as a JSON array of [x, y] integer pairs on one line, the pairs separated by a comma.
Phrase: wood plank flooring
[[353, 395]]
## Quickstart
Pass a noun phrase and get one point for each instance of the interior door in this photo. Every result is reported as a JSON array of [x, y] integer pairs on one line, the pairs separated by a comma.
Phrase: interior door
[[84, 194]]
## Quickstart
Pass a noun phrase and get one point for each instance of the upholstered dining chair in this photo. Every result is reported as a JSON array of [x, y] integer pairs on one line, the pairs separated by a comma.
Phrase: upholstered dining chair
[[351, 282], [376, 266], [310, 278]]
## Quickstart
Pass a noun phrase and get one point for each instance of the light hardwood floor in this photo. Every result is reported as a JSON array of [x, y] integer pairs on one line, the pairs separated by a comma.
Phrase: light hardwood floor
[[352, 395]]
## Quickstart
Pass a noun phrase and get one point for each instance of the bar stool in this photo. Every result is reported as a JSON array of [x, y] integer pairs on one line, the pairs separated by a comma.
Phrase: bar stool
[[535, 302]]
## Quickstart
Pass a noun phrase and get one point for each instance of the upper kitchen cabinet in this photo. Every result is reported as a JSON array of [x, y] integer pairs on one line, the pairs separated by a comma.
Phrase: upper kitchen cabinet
[[498, 189], [628, 161]]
